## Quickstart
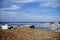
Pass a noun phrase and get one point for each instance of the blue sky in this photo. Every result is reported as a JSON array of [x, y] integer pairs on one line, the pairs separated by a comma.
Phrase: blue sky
[[29, 10]]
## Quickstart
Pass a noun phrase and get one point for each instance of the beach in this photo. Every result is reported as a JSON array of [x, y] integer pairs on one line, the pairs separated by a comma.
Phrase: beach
[[26, 33]]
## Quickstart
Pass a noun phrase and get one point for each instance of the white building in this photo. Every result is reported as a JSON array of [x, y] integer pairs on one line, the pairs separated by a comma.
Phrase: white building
[[58, 25], [5, 26]]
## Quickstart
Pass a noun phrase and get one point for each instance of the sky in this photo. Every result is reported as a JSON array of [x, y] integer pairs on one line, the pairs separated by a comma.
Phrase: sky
[[29, 10]]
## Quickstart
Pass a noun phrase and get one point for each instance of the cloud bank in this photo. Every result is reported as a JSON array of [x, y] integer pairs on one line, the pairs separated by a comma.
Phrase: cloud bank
[[30, 10]]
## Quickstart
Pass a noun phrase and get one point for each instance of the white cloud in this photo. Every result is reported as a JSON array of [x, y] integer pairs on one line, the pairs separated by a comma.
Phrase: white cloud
[[12, 7], [50, 3], [24, 16], [43, 3], [46, 5], [23, 1]]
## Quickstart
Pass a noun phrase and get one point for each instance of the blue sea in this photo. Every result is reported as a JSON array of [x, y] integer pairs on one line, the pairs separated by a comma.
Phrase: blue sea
[[38, 25]]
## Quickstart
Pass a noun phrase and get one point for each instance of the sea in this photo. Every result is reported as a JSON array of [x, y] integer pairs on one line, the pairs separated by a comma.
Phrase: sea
[[38, 25]]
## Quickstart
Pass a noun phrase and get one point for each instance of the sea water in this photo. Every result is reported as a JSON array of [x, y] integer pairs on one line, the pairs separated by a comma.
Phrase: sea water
[[38, 25]]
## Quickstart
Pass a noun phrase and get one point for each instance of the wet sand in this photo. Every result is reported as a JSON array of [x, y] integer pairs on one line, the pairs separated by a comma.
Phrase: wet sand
[[24, 33]]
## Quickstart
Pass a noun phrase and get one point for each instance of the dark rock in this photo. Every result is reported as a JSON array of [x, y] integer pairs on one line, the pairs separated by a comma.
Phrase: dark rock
[[10, 27], [32, 26]]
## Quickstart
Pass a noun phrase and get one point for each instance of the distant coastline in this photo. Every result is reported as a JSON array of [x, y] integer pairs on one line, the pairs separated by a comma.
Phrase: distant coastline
[[25, 22]]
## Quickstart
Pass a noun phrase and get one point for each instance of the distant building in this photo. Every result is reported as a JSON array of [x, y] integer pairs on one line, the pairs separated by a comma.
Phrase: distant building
[[4, 26]]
